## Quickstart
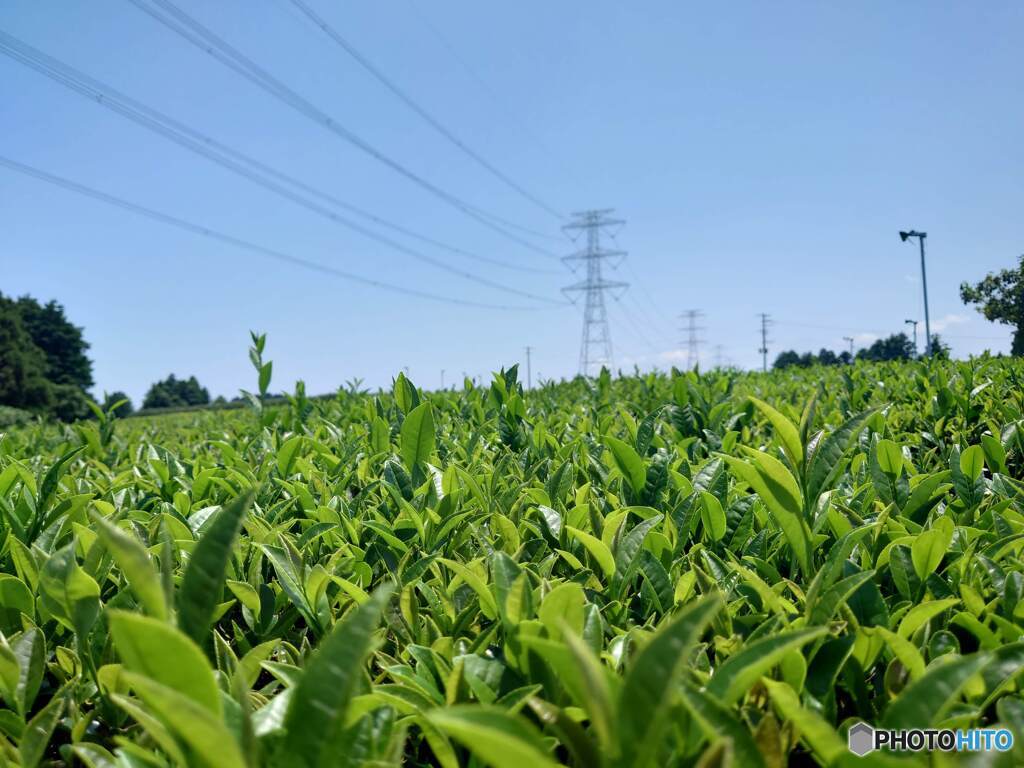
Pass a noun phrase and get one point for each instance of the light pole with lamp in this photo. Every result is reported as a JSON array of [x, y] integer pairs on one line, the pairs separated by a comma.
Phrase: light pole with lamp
[[904, 236], [850, 339], [913, 323]]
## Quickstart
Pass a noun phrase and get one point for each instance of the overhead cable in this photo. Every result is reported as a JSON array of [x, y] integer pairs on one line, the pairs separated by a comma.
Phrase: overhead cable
[[247, 245]]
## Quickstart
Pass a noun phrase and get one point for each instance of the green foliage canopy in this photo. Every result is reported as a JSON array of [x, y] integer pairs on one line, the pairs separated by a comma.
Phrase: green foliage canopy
[[1000, 298], [173, 392], [43, 362], [641, 571]]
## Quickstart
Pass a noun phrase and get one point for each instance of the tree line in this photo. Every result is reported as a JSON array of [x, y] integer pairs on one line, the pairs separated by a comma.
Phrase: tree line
[[45, 369], [895, 347], [999, 297]]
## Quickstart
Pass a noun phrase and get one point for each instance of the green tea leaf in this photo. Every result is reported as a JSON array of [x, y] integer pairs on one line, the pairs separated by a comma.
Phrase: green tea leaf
[[930, 547], [134, 561], [329, 681], [740, 671], [160, 652], [922, 703], [628, 462], [810, 726], [778, 489], [652, 677], [713, 516], [210, 743], [495, 736], [718, 722], [203, 584], [38, 732], [417, 436], [972, 462], [785, 430], [597, 549]]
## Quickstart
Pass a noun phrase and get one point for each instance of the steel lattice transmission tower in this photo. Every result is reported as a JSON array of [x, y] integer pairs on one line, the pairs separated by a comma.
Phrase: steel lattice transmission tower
[[596, 345], [766, 320], [692, 340]]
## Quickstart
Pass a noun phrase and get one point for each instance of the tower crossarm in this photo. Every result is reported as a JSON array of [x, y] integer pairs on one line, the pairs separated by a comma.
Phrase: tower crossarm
[[599, 253]]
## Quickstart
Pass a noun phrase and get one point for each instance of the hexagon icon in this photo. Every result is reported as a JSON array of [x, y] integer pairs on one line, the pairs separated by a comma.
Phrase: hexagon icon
[[861, 739]]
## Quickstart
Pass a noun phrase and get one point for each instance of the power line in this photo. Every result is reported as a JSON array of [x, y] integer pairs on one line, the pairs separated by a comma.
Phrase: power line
[[646, 312], [148, 117], [511, 114], [596, 345], [651, 325], [650, 311], [366, 64], [230, 159], [876, 331], [204, 39], [635, 322], [237, 242]]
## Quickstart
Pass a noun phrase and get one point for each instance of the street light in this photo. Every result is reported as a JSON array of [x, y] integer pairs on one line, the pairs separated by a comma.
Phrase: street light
[[913, 323], [904, 236]]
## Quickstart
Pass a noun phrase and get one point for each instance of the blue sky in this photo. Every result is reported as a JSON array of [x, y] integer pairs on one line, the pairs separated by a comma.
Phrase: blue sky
[[764, 157]]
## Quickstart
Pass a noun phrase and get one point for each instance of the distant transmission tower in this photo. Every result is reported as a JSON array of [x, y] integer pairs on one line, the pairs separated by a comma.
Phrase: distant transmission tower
[[765, 322], [719, 356], [692, 340], [596, 346]]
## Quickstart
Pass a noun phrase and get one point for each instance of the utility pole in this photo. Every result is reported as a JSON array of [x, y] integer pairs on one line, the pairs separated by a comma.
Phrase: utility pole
[[692, 342], [913, 323], [442, 378], [719, 358], [924, 286], [849, 339], [529, 373], [596, 344], [765, 321]]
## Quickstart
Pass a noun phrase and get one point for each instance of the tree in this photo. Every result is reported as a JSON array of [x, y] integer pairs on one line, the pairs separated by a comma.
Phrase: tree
[[193, 394], [895, 347], [828, 357], [61, 342], [786, 359], [23, 382], [1000, 298], [119, 399], [43, 365], [173, 392], [807, 359], [940, 349], [159, 396], [70, 403]]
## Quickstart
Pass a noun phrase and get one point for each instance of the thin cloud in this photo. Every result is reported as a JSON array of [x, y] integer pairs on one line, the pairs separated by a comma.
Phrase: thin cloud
[[673, 356], [948, 320]]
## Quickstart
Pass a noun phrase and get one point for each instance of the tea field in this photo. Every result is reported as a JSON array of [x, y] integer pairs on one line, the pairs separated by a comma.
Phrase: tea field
[[725, 569]]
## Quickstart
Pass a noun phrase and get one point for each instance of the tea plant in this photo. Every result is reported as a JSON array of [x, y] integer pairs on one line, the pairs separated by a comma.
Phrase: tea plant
[[724, 569]]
